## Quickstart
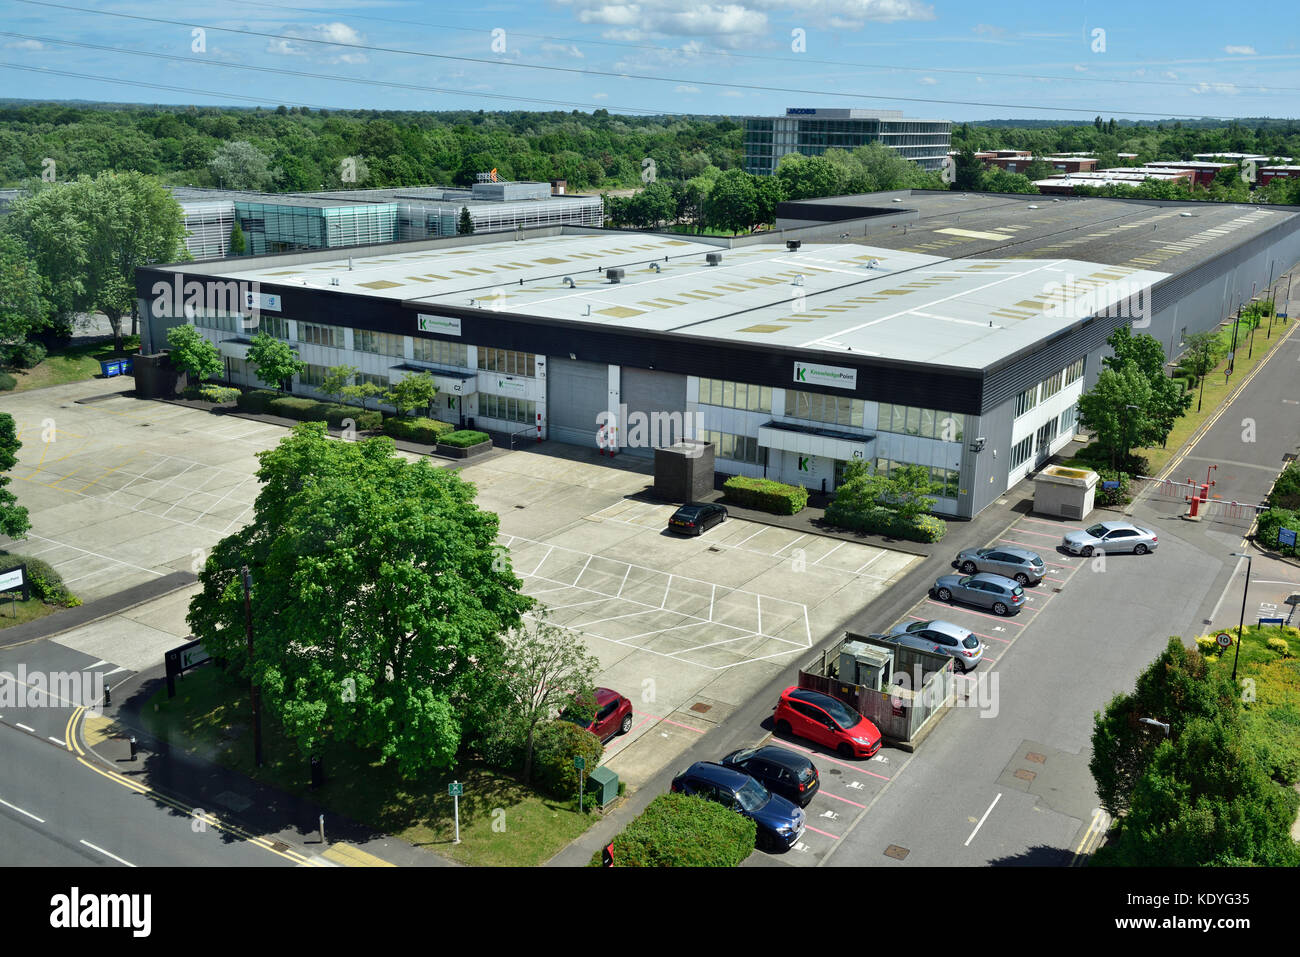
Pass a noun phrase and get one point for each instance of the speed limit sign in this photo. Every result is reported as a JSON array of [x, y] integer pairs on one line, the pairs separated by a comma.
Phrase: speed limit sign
[[1224, 639]]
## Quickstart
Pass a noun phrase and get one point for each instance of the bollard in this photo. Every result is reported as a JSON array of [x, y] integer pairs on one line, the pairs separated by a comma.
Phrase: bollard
[[108, 695], [133, 744], [322, 828]]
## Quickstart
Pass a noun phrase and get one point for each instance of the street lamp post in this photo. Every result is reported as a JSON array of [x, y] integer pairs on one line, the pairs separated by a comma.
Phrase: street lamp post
[[1241, 623], [247, 577], [1163, 726], [1205, 371]]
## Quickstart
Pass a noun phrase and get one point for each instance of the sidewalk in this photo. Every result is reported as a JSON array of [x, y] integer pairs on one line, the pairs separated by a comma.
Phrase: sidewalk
[[70, 618]]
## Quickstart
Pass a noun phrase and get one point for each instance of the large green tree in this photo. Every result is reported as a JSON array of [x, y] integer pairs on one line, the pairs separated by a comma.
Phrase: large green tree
[[24, 308], [275, 360], [13, 517], [809, 176], [53, 230], [413, 392], [733, 202], [1115, 411], [240, 165], [380, 599], [1167, 400], [192, 353]]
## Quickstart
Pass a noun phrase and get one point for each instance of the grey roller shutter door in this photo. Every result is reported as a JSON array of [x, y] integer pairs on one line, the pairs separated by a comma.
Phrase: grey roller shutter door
[[661, 397], [576, 393]]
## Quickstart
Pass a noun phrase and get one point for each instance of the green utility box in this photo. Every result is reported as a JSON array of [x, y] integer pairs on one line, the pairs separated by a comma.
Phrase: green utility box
[[602, 785]]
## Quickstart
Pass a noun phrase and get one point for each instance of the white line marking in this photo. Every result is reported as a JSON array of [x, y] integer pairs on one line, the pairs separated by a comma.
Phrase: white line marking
[[59, 741], [15, 807], [107, 853], [624, 581], [831, 552], [109, 558], [25, 728], [101, 661], [787, 545], [583, 572], [983, 819], [667, 585], [114, 671]]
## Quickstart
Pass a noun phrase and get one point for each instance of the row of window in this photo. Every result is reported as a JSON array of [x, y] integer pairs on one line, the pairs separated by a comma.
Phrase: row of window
[[928, 423], [379, 343], [316, 334], [737, 448], [948, 480], [314, 376], [1021, 451], [511, 410], [736, 395], [508, 361], [1049, 387], [439, 352], [834, 409]]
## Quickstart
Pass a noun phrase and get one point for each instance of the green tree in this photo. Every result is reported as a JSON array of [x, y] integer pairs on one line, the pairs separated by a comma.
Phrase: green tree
[[24, 308], [733, 202], [549, 667], [193, 354], [809, 176], [240, 165], [336, 380], [238, 244], [53, 230], [969, 171], [909, 490], [1167, 401], [380, 598], [1105, 411], [13, 517], [465, 226], [363, 392], [1201, 353], [768, 192], [413, 392], [276, 361]]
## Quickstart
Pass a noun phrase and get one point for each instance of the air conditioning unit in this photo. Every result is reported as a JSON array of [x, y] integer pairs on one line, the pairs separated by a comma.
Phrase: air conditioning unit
[[614, 274], [867, 665]]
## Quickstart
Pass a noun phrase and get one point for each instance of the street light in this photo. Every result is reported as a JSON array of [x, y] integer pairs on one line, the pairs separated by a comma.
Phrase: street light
[[1205, 371], [1156, 724], [1241, 624], [247, 577]]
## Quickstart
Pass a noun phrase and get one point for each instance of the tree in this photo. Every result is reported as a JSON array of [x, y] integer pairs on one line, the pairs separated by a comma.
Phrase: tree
[[1167, 401], [24, 308], [768, 191], [240, 165], [237, 243], [336, 380], [1104, 410], [363, 392], [412, 392], [192, 353], [380, 598], [969, 171], [733, 202], [549, 668], [276, 361], [1201, 353], [55, 233], [809, 176], [909, 491], [13, 517], [465, 227]]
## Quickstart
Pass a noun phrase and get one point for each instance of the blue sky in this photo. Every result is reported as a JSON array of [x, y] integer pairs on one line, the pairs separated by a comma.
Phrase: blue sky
[[947, 60]]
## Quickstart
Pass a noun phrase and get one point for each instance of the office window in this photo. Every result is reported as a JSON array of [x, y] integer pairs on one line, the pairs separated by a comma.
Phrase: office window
[[928, 423], [1069, 418], [508, 362], [379, 343], [1074, 371], [363, 377], [1052, 386], [737, 448], [1021, 451], [313, 376], [503, 407], [440, 353], [735, 395], [1026, 400], [320, 335], [276, 326], [833, 409]]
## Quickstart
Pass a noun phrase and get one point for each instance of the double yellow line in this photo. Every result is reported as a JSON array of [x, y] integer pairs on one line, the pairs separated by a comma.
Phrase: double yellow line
[[211, 820], [1092, 837]]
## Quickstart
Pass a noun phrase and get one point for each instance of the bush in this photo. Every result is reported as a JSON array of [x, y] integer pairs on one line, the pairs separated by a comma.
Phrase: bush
[[220, 394], [1280, 646], [1115, 496], [1286, 490], [680, 830], [257, 400], [464, 439], [25, 355], [296, 407], [555, 745], [1270, 523], [46, 584], [7, 382], [421, 430], [884, 521], [766, 495]]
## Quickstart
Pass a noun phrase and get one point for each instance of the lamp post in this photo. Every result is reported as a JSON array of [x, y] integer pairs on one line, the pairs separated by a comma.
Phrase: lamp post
[[1205, 363], [247, 577], [1163, 726], [1241, 623]]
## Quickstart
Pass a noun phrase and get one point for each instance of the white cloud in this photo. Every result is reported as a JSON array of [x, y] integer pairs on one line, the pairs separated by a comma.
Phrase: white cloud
[[566, 50], [25, 45], [682, 88], [1225, 89], [600, 96], [1169, 75], [327, 33], [1240, 50], [928, 81]]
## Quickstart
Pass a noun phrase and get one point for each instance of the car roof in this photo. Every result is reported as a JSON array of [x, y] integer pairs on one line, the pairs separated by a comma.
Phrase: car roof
[[1018, 552], [605, 695], [947, 628], [782, 756], [716, 773], [996, 578], [807, 694]]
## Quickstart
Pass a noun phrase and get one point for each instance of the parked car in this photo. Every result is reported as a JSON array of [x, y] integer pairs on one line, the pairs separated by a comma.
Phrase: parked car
[[1002, 595], [1021, 564], [780, 823], [613, 715], [942, 637], [696, 518], [1111, 537], [827, 721], [780, 770]]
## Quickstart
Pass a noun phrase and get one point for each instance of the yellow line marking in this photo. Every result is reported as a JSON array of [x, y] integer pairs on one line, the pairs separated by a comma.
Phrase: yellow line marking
[[345, 853], [1091, 837]]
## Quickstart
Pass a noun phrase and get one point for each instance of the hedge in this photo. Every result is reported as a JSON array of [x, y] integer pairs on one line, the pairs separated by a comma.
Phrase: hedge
[[555, 745], [257, 400], [7, 382], [1268, 525], [681, 830], [218, 393], [1113, 497], [420, 429], [46, 584], [884, 521], [766, 495], [1286, 490], [363, 420], [25, 355], [463, 439], [311, 410]]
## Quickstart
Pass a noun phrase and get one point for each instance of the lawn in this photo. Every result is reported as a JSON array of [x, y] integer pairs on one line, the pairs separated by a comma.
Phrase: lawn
[[72, 364], [17, 613], [502, 823]]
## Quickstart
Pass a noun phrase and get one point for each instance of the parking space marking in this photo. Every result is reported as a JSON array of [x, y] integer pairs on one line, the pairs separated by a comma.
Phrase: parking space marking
[[838, 798], [831, 552], [809, 827], [1030, 531], [106, 558], [844, 764], [971, 611], [983, 819]]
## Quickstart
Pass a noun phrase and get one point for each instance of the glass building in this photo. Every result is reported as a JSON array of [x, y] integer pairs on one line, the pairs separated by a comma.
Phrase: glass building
[[813, 131]]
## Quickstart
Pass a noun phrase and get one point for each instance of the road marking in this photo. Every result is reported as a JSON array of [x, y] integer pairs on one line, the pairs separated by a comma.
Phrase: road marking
[[845, 800], [95, 847], [59, 741], [15, 807], [1092, 837], [25, 728], [983, 819], [351, 856]]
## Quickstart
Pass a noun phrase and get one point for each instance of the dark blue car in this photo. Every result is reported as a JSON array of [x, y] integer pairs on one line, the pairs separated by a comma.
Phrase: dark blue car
[[780, 823]]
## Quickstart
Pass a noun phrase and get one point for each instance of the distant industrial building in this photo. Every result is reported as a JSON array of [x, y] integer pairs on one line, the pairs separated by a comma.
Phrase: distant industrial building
[[1269, 173], [812, 132], [1239, 158], [1123, 176], [1203, 171]]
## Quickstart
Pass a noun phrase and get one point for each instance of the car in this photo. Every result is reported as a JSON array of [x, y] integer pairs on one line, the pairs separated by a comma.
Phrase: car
[[827, 721], [780, 823], [1004, 596], [779, 770], [942, 637], [1021, 564], [613, 715], [1111, 537], [696, 518]]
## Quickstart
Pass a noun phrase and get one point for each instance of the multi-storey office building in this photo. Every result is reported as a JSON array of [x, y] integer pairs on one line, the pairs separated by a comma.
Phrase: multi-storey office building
[[813, 131]]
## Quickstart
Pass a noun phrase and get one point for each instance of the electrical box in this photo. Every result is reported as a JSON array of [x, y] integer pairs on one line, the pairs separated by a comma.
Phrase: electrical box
[[869, 666]]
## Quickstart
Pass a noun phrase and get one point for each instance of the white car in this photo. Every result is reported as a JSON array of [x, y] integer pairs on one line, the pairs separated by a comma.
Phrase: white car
[[1111, 537]]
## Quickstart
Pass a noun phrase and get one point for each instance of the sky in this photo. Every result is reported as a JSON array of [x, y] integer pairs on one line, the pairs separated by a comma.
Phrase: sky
[[945, 59]]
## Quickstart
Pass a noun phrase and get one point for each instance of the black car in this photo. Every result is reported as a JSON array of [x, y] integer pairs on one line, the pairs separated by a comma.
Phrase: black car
[[779, 822], [782, 772], [696, 518]]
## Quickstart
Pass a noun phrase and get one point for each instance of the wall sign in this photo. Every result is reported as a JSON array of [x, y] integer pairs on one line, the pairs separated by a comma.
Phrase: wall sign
[[808, 373], [446, 325]]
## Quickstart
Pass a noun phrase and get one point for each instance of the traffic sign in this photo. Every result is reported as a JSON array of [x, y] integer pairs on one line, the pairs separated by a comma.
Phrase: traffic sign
[[1224, 639], [1286, 536], [579, 762], [455, 789]]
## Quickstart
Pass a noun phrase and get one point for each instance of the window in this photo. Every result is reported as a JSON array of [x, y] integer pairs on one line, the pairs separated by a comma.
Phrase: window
[[380, 343], [737, 448], [1026, 400], [1074, 371], [363, 377], [276, 326], [511, 410], [1046, 433], [835, 409], [947, 481], [440, 353], [507, 362], [319, 335], [1052, 386], [928, 423], [1021, 451], [1068, 419], [735, 395], [313, 376]]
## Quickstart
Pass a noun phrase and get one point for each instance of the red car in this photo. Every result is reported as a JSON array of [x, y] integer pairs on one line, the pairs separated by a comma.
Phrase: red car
[[827, 721], [613, 715]]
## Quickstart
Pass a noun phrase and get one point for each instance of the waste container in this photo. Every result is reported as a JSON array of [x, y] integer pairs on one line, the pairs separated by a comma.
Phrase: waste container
[[602, 785], [110, 367]]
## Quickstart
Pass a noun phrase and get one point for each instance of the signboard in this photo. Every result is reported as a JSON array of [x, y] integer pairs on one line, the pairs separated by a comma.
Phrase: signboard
[[180, 660], [1224, 639], [455, 789], [1286, 536], [262, 301], [838, 377], [579, 762], [15, 580], [512, 386], [1272, 621], [445, 325], [800, 111], [1109, 485]]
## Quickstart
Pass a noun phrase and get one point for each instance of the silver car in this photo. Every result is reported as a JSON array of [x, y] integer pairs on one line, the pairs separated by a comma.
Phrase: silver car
[[1003, 596], [941, 637], [1021, 564], [1111, 537]]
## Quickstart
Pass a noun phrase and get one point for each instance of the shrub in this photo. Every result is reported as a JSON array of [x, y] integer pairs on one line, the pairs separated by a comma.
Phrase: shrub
[[25, 355], [681, 830], [1280, 646], [1286, 490], [46, 584], [463, 439], [257, 400], [1208, 645], [218, 393], [1268, 525], [422, 430], [1114, 496], [7, 382], [884, 521], [766, 495], [555, 745], [295, 407]]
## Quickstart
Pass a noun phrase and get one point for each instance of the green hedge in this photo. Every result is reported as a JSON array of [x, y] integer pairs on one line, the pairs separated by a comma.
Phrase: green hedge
[[1267, 528], [463, 439], [311, 410], [7, 382], [680, 830], [555, 745], [766, 495], [1286, 490], [884, 521], [46, 583], [420, 429], [24, 355], [1113, 497], [257, 400], [218, 393], [363, 420]]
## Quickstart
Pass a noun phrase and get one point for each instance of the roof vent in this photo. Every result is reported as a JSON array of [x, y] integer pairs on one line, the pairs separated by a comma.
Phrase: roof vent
[[334, 280], [798, 280], [614, 274], [568, 281], [793, 245], [713, 259], [655, 267]]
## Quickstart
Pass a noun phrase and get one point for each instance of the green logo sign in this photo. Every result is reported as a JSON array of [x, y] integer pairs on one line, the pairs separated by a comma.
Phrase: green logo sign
[[800, 374], [455, 789], [804, 461]]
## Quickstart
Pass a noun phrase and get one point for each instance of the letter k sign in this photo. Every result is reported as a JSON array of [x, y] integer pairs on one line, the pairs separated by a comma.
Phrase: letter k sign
[[803, 463], [800, 374]]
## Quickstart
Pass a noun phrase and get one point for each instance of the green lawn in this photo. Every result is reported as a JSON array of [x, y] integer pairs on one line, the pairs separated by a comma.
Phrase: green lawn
[[16, 613], [73, 364], [502, 823]]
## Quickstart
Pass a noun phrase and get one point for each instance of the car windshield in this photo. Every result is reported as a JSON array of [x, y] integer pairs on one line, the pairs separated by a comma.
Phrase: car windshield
[[741, 756], [970, 641], [1017, 591], [686, 512], [844, 716], [752, 795], [577, 719], [917, 626], [1096, 531]]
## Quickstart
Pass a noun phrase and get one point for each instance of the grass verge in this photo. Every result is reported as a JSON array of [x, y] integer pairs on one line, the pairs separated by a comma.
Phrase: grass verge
[[72, 364], [21, 612]]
